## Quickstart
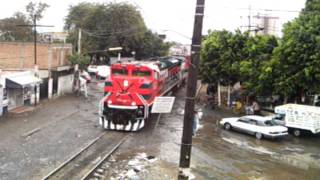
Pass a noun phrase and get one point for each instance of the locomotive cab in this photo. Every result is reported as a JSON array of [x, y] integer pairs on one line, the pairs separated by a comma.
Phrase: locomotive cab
[[131, 88], [130, 91]]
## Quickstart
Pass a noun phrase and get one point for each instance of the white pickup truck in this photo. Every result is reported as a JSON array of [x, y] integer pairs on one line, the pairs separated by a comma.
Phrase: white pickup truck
[[299, 118]]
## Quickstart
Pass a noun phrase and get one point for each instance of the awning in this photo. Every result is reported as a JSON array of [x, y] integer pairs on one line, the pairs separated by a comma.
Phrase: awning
[[23, 80]]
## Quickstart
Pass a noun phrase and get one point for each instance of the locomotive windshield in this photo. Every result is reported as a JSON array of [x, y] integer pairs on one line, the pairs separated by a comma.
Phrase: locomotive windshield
[[141, 73], [121, 71]]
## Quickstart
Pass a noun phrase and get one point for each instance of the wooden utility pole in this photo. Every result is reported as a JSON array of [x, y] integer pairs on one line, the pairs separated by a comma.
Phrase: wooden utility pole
[[186, 143], [34, 26]]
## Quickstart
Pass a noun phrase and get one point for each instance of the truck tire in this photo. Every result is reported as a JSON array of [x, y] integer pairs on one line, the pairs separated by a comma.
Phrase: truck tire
[[297, 132], [259, 136]]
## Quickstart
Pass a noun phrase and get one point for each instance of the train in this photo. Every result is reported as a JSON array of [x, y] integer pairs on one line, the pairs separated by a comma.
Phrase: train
[[131, 88]]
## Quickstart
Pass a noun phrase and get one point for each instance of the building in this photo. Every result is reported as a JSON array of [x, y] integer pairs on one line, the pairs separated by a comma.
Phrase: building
[[267, 25], [20, 56], [54, 37], [180, 49], [19, 88], [21, 79]]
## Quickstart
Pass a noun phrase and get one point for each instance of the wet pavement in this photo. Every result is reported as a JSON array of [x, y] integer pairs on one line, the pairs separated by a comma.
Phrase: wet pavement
[[216, 153], [35, 143], [32, 144]]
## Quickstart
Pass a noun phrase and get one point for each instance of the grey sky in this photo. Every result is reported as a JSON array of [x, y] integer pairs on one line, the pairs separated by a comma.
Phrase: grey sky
[[174, 15]]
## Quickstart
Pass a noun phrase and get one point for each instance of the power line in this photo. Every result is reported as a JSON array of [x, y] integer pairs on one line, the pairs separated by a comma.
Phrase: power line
[[90, 32], [108, 36]]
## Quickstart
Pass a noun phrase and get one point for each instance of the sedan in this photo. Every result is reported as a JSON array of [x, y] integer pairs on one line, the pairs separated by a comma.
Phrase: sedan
[[103, 72], [258, 126]]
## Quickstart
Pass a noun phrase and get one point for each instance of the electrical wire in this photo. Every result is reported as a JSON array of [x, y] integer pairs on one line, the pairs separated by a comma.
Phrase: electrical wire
[[110, 33]]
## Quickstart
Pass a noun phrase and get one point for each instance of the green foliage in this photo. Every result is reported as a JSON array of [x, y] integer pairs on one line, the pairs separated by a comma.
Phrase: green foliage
[[10, 31], [36, 9], [151, 46], [82, 61], [112, 25], [254, 67], [299, 54], [218, 58], [230, 57]]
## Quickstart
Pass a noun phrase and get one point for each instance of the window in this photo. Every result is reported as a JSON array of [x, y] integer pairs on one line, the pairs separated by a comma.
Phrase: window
[[141, 73], [243, 120], [122, 71], [254, 122], [269, 123]]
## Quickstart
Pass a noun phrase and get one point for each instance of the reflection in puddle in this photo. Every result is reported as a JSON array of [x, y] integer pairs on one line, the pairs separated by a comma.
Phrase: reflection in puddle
[[300, 160]]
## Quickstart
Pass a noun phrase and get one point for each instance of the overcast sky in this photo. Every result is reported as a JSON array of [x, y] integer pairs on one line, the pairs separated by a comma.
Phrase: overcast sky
[[177, 16]]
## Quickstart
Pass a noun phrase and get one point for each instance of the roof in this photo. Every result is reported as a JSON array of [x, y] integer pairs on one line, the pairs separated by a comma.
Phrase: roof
[[150, 64], [22, 79], [258, 118], [296, 107]]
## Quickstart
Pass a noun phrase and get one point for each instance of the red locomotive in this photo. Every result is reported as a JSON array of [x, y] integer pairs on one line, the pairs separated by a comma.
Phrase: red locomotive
[[132, 87]]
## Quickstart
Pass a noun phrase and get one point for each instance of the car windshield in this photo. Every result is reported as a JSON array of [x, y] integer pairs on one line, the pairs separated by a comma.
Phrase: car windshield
[[278, 117], [269, 123]]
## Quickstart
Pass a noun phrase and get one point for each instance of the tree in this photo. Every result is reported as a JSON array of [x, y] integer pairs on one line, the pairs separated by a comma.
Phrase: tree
[[228, 57], [220, 57], [10, 30], [82, 61], [151, 46], [298, 55], [36, 10], [255, 67], [111, 25]]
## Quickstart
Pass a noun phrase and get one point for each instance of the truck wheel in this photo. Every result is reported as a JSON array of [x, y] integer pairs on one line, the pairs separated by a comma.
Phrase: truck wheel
[[296, 132], [259, 136], [227, 126]]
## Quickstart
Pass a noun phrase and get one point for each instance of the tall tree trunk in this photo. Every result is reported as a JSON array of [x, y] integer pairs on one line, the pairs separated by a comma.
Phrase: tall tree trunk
[[219, 94], [229, 89]]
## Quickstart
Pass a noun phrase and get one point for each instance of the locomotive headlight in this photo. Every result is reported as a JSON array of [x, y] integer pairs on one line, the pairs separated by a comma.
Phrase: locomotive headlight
[[133, 103], [125, 83], [109, 102]]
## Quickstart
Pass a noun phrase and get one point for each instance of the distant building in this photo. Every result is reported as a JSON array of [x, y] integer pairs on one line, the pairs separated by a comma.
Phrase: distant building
[[267, 25], [19, 78], [54, 37], [180, 49]]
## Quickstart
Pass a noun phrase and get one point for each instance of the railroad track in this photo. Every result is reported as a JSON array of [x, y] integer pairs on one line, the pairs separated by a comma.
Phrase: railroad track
[[87, 162]]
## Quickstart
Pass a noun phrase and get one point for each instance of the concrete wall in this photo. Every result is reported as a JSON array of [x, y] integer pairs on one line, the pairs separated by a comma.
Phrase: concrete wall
[[15, 96], [19, 55], [65, 84]]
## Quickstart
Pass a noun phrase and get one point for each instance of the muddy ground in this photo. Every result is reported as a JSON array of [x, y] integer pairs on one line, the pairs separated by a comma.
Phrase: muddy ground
[[35, 143], [153, 153]]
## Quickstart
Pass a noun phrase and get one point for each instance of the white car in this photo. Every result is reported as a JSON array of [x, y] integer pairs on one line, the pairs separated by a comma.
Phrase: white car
[[103, 72], [255, 125], [92, 69]]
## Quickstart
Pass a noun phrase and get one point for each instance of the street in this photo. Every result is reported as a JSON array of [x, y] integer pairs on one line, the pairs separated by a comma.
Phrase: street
[[36, 143]]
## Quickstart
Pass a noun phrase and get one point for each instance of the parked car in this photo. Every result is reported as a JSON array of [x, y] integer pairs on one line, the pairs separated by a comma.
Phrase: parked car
[[102, 72], [92, 69], [260, 127]]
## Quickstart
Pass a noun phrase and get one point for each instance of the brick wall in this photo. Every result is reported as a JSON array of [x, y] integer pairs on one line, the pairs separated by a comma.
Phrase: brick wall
[[18, 55]]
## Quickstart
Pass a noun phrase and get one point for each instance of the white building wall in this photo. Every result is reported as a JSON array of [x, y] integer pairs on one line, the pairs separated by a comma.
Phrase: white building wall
[[65, 84]]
